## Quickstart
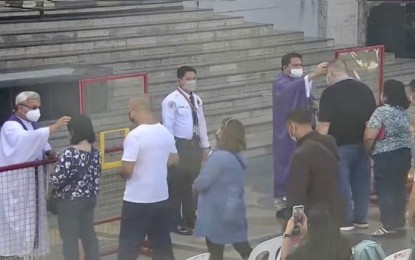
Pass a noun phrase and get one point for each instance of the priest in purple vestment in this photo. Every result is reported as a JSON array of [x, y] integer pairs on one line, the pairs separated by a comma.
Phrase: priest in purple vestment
[[290, 91]]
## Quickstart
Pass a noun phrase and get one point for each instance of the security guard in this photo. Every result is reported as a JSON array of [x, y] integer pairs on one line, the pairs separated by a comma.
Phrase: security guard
[[183, 116]]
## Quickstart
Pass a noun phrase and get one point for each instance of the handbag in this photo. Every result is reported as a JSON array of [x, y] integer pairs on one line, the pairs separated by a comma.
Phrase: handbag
[[52, 199]]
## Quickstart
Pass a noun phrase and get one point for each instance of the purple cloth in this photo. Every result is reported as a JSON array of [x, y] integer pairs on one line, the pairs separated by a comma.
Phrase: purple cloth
[[288, 94], [18, 120]]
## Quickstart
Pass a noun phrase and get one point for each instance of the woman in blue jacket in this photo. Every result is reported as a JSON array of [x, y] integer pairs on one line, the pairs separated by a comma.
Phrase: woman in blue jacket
[[221, 211]]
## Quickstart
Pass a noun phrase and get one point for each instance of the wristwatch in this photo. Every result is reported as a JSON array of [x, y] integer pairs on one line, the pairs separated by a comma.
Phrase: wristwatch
[[286, 235]]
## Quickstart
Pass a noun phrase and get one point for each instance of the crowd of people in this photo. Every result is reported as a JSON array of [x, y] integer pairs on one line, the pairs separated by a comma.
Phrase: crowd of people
[[175, 181]]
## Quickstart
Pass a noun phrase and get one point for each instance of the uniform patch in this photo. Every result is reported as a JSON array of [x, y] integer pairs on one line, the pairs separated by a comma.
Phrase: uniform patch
[[172, 104]]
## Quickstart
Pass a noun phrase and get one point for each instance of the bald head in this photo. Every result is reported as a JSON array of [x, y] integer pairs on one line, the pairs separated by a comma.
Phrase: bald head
[[140, 110], [338, 66], [336, 71], [142, 103]]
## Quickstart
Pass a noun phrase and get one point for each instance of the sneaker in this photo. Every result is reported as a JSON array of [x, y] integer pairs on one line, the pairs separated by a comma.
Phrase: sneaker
[[361, 225], [348, 228], [181, 230]]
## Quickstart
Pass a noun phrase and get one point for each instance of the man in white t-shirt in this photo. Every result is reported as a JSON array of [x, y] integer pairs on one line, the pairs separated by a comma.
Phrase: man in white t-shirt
[[148, 150]]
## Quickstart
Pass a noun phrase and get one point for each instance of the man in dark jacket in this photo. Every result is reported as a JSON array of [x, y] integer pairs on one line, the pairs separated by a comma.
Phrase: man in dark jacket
[[314, 177]]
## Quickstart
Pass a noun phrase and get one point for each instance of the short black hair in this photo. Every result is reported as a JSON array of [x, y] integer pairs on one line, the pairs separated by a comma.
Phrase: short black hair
[[394, 91], [412, 85], [81, 129], [300, 116], [183, 69], [286, 59]]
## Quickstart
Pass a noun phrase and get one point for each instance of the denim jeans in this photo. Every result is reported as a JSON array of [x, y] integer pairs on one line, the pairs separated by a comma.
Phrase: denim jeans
[[391, 173], [355, 182], [139, 220], [76, 220]]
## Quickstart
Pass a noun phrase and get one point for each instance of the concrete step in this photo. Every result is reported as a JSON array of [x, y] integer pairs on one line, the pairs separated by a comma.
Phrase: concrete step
[[234, 54], [74, 8], [161, 52], [92, 43], [117, 30], [100, 20], [232, 70], [96, 7]]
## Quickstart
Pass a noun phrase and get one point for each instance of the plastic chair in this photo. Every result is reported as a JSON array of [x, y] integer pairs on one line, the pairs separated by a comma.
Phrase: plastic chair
[[400, 255], [204, 256], [271, 246]]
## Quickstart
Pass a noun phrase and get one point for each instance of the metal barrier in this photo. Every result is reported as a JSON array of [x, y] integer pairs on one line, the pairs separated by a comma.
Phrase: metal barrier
[[26, 228]]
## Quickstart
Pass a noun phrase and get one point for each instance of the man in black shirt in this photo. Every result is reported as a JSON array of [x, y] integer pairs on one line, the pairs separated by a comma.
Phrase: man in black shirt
[[345, 107]]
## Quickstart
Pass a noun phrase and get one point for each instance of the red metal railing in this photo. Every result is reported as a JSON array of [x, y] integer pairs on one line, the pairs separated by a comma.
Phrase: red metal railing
[[112, 220]]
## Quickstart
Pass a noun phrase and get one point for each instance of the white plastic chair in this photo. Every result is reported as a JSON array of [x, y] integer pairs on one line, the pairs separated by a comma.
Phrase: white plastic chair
[[271, 246], [204, 256], [400, 255]]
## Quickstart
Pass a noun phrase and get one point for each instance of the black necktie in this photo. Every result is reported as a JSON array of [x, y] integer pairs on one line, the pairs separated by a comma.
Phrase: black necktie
[[194, 111]]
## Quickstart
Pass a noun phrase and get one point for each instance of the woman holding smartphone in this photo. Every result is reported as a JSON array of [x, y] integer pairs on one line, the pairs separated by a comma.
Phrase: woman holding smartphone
[[221, 211], [313, 231]]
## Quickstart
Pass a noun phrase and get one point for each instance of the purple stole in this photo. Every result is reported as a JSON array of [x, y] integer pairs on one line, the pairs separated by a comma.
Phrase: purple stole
[[18, 120]]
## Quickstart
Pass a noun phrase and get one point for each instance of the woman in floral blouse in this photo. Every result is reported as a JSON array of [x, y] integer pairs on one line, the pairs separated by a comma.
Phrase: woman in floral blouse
[[76, 181], [388, 138]]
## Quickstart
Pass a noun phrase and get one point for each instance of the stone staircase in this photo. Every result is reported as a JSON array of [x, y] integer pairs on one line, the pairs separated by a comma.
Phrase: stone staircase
[[236, 61]]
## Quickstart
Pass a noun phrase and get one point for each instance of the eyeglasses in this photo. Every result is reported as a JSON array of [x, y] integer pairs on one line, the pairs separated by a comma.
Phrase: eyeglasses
[[31, 108]]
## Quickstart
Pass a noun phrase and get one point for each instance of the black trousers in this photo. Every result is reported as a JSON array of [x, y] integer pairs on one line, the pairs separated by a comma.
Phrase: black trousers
[[139, 220], [76, 220], [181, 178], [216, 250]]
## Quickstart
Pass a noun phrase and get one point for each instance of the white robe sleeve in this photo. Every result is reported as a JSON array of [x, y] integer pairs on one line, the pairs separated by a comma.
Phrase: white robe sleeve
[[308, 86], [18, 145]]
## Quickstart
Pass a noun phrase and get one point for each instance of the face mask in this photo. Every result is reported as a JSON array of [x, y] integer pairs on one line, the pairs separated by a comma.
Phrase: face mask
[[129, 117], [33, 115], [296, 73], [292, 136], [190, 85]]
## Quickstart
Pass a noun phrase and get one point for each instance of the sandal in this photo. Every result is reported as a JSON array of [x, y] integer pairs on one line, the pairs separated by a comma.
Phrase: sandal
[[384, 232]]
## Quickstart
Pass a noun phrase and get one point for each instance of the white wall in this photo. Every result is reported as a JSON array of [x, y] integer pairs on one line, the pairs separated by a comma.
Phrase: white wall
[[342, 21]]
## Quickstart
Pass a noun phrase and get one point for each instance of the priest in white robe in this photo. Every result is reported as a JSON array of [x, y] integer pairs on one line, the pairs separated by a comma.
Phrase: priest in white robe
[[23, 214]]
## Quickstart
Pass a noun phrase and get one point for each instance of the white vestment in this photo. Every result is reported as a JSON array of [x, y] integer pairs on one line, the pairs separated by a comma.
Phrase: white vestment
[[19, 219]]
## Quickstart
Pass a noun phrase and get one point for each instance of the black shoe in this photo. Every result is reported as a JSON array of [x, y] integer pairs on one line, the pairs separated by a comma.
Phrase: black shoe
[[182, 230], [189, 224]]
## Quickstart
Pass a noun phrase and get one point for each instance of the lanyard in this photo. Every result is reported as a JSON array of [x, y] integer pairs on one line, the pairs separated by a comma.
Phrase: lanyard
[[194, 112], [187, 99]]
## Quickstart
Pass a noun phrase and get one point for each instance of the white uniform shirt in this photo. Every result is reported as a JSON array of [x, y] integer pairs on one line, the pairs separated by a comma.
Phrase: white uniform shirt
[[149, 146], [177, 117]]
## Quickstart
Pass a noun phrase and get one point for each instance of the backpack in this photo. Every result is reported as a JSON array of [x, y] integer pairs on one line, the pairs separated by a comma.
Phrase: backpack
[[368, 250]]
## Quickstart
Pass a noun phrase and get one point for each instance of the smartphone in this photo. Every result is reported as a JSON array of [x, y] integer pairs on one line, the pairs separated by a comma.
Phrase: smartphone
[[298, 213]]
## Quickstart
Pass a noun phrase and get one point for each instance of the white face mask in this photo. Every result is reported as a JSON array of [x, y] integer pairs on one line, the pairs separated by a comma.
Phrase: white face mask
[[296, 73], [190, 85], [293, 134], [33, 115]]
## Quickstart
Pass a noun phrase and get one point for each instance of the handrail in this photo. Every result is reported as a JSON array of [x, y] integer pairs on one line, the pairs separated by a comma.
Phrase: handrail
[[38, 163]]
